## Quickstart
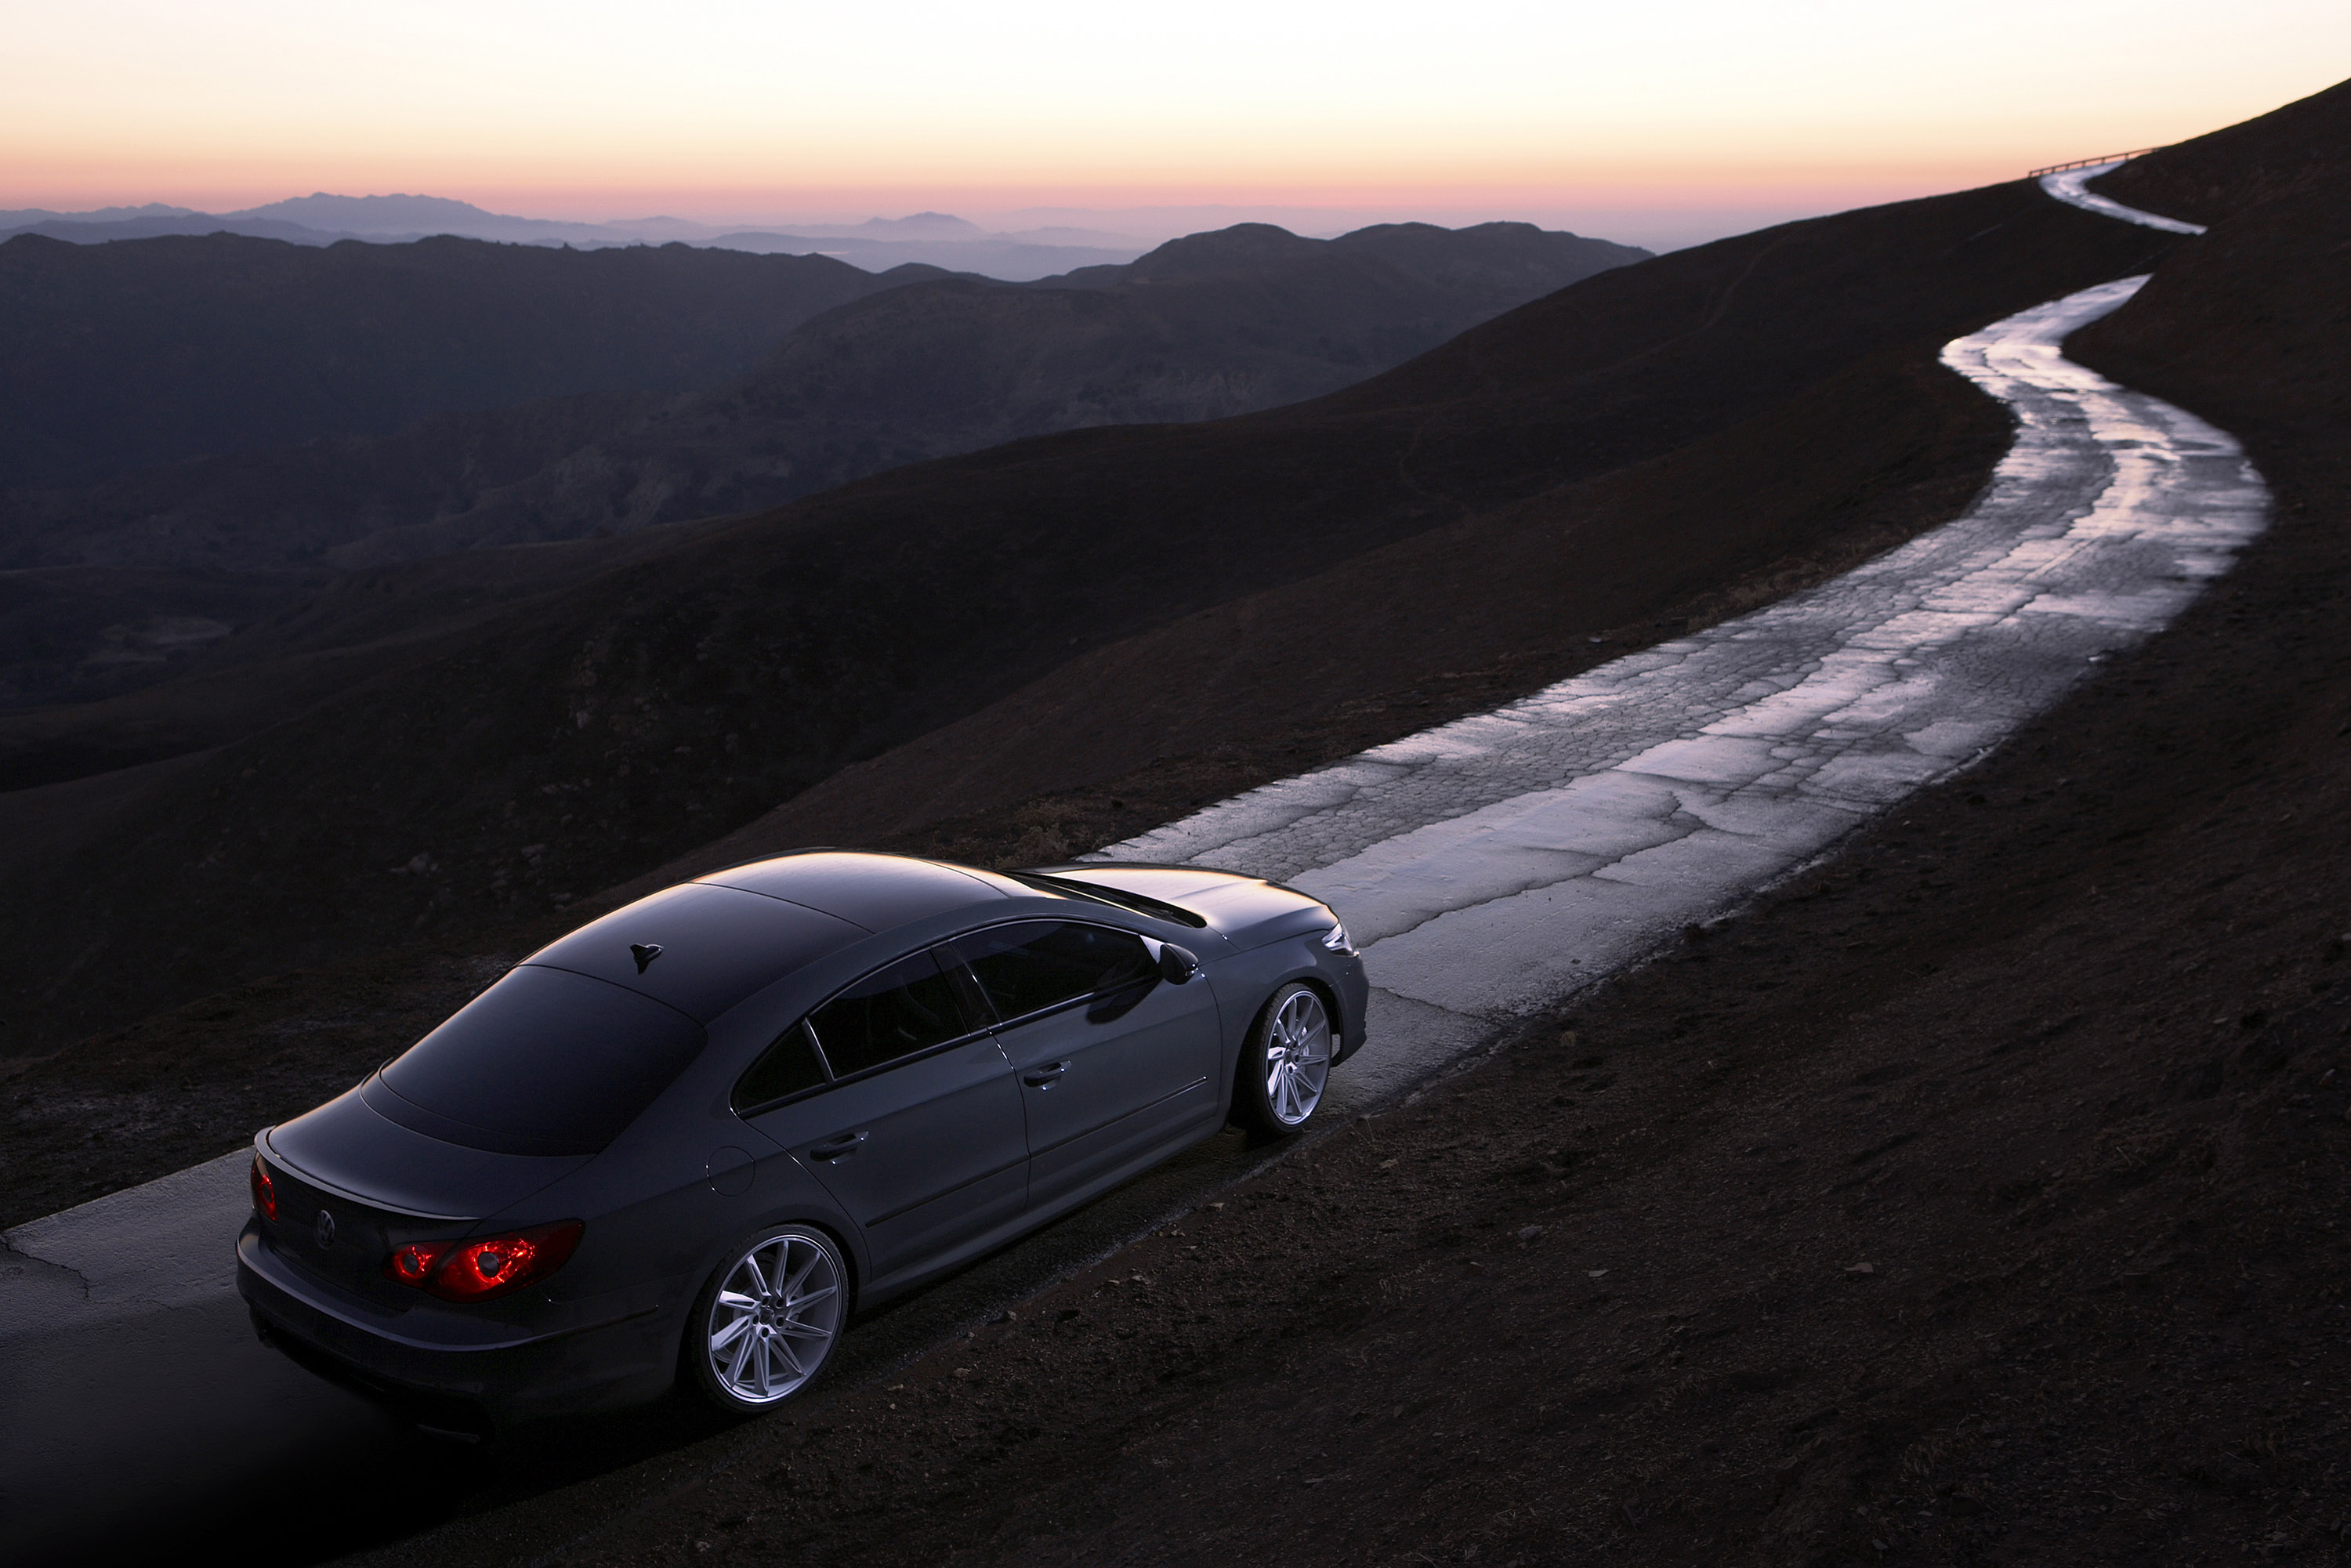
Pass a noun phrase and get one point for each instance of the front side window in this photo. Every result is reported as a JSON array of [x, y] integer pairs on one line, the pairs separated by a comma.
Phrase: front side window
[[1032, 965], [906, 1008]]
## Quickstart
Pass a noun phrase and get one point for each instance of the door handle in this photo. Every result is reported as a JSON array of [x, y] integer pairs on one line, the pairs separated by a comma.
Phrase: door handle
[[836, 1148], [1044, 1077]]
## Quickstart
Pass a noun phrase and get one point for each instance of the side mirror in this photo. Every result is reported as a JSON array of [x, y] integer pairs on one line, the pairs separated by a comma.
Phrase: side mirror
[[1175, 964]]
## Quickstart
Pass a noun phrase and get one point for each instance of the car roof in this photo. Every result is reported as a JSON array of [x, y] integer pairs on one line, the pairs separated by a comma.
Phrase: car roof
[[704, 945], [699, 949], [878, 892]]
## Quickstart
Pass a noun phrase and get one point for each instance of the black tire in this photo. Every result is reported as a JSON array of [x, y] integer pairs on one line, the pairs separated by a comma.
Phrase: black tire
[[755, 1341], [1285, 1062]]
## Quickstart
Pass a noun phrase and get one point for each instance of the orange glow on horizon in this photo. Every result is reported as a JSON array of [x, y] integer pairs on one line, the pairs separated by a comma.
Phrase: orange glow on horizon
[[739, 111]]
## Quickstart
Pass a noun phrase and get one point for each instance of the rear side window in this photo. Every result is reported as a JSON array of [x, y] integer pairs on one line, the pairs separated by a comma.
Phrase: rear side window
[[906, 1008], [789, 1066], [1031, 964], [546, 1062]]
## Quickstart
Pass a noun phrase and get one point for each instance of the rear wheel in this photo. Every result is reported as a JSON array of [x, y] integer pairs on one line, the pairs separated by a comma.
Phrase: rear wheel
[[766, 1323], [1285, 1062]]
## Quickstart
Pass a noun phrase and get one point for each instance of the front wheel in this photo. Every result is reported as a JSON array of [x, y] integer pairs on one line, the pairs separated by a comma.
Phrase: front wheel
[[1285, 1062], [766, 1322]]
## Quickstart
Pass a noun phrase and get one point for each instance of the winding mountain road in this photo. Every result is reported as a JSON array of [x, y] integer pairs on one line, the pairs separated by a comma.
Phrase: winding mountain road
[[1490, 866], [1495, 865]]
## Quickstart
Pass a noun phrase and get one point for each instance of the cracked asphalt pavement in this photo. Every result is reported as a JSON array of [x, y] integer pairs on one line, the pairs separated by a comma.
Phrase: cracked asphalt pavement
[[1493, 865]]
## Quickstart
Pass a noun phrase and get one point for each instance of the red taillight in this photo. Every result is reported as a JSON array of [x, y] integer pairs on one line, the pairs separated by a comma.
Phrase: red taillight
[[265, 1192], [412, 1264], [491, 1266]]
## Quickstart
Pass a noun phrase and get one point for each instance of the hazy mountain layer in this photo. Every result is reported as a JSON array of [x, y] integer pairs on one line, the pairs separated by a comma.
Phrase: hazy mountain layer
[[1245, 318], [121, 356]]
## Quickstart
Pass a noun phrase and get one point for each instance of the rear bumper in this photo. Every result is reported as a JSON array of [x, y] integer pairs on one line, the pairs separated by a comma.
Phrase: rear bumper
[[414, 1364]]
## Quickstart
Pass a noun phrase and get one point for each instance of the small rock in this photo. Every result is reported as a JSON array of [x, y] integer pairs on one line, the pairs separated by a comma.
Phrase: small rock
[[1528, 1232], [1860, 1271], [1388, 1163], [1567, 1039], [1595, 1274], [964, 1374], [1005, 1316], [1216, 1206]]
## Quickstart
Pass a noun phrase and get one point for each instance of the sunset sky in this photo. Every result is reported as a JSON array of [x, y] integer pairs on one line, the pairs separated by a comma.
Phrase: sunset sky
[[1692, 116]]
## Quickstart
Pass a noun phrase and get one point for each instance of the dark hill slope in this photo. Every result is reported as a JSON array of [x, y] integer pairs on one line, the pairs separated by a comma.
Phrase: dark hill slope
[[120, 356], [625, 721], [1215, 324], [2305, 144], [281, 660], [1456, 619]]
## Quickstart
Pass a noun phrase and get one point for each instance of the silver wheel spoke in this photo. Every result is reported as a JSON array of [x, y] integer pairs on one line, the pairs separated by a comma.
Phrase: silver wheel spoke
[[730, 1334]]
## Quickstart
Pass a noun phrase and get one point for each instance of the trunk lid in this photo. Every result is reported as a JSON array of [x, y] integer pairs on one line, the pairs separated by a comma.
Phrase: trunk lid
[[352, 1187]]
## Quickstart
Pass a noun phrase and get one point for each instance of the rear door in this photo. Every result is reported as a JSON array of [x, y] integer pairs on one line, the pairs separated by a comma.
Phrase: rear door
[[1113, 1061], [921, 1136]]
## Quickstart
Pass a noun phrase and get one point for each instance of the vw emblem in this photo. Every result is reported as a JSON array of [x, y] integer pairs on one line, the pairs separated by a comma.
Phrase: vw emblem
[[324, 1230]]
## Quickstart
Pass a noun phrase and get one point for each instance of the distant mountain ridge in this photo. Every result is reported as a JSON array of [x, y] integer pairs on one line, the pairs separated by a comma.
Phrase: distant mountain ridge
[[1229, 323], [323, 219], [125, 356]]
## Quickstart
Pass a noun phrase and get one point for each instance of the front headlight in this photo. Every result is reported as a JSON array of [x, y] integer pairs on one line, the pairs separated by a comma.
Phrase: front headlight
[[1336, 940]]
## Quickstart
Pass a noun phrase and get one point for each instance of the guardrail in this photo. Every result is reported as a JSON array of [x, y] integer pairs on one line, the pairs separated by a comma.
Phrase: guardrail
[[2085, 163]]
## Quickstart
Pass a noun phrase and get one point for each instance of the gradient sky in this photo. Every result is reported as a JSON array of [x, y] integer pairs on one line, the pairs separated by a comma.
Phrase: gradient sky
[[1694, 112]]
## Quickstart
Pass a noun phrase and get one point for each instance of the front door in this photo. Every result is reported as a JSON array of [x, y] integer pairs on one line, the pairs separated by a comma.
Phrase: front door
[[1114, 1062], [922, 1137]]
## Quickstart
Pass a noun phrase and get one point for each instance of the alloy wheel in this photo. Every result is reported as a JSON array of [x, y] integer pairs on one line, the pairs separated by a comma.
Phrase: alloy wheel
[[1297, 1058], [775, 1317]]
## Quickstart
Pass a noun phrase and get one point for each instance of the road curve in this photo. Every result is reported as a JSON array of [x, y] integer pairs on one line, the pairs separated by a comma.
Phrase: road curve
[[2071, 187], [1492, 866]]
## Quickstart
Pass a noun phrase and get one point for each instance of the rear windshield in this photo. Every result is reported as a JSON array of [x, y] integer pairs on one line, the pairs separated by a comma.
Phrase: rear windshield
[[546, 1063]]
